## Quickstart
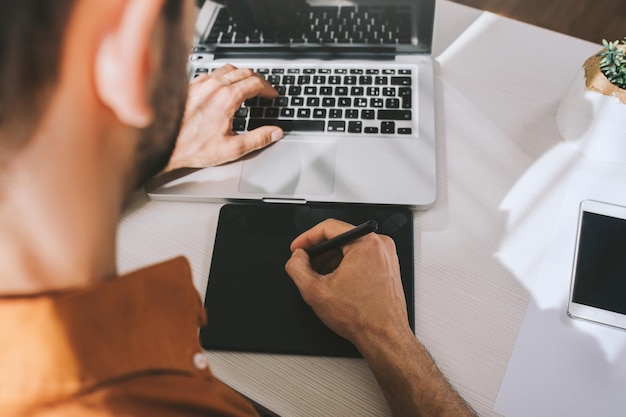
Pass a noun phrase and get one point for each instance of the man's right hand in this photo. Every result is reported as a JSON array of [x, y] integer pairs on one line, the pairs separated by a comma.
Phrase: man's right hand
[[363, 294]]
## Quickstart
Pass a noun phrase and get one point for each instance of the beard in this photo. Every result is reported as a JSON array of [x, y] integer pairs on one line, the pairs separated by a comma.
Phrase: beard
[[168, 99]]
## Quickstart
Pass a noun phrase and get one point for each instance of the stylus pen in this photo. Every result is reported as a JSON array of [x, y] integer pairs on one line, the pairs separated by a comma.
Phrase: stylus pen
[[343, 239]]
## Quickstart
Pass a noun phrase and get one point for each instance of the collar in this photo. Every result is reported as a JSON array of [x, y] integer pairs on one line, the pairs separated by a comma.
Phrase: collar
[[60, 344]]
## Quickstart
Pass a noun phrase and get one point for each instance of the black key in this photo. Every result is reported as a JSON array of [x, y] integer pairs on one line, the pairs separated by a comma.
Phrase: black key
[[392, 103], [355, 127], [357, 91], [344, 102], [336, 126], [272, 112], [202, 70], [310, 91], [404, 92], [335, 114], [273, 79], [341, 71], [295, 90], [360, 102], [263, 71], [256, 112], [282, 90], [334, 79], [365, 80], [304, 113], [400, 80], [373, 91], [404, 71], [324, 71], [341, 91], [356, 71], [241, 112], [319, 113], [326, 91], [289, 125], [352, 114], [387, 127], [313, 101], [371, 130], [376, 102], [389, 91], [281, 101], [405, 130], [328, 102], [239, 125], [289, 112], [406, 102], [381, 80], [251, 102], [349, 80], [278, 71], [293, 71], [264, 102], [309, 71], [304, 79], [367, 114], [389, 71], [372, 71], [394, 114], [297, 101], [289, 79], [319, 79]]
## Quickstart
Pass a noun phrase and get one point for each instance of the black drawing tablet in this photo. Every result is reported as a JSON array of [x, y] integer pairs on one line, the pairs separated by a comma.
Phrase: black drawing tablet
[[252, 304]]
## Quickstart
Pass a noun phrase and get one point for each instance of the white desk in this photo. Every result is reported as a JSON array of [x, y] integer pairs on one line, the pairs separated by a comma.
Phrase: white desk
[[502, 171]]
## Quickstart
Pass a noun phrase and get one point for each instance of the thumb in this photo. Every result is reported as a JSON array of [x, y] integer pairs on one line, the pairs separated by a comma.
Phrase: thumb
[[256, 139]]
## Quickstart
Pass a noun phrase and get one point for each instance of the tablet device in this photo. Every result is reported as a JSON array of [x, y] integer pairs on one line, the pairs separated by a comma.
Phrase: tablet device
[[598, 288], [252, 304]]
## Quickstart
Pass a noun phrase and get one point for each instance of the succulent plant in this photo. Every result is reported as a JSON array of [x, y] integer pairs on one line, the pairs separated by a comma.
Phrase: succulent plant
[[613, 62]]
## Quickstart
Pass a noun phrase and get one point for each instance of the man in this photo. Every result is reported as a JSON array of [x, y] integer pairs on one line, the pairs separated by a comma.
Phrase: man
[[92, 95]]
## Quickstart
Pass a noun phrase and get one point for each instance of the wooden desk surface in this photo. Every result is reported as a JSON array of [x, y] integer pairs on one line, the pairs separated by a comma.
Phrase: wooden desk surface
[[502, 171]]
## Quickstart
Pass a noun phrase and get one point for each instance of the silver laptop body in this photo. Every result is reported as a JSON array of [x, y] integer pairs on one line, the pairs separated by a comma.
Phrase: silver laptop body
[[348, 147]]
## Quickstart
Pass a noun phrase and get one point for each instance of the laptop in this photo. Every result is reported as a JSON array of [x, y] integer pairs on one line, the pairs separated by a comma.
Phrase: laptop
[[355, 86]]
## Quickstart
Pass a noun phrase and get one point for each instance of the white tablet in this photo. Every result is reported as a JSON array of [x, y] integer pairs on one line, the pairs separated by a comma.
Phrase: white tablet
[[598, 289]]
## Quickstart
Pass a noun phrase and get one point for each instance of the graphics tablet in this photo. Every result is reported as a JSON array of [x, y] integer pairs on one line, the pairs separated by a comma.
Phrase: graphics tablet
[[252, 304]]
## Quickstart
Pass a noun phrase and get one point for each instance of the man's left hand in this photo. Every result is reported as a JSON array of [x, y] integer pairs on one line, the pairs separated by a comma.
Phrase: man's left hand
[[206, 137]]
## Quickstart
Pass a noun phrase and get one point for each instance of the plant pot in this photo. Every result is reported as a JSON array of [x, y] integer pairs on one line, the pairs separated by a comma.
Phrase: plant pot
[[592, 114]]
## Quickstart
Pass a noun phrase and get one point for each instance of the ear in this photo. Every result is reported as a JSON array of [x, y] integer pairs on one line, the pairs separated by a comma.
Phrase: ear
[[125, 61]]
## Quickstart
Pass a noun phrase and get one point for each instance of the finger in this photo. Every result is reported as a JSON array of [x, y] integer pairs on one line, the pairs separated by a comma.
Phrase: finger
[[320, 233], [218, 72], [298, 267], [243, 144], [252, 87]]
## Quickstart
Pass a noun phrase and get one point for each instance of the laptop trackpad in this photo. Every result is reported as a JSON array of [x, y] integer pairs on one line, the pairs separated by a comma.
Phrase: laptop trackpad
[[291, 167]]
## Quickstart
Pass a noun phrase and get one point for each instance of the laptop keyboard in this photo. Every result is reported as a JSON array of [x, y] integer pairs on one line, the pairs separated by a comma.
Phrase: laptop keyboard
[[333, 100], [347, 25]]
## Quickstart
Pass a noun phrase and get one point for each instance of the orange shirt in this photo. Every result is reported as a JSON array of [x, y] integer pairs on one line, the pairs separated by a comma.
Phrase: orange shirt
[[126, 346]]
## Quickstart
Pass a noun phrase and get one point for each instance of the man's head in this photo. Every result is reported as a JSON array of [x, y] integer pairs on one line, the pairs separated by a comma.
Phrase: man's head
[[32, 36], [92, 95]]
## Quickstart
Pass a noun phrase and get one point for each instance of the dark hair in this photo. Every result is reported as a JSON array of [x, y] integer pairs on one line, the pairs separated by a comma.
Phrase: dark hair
[[31, 37]]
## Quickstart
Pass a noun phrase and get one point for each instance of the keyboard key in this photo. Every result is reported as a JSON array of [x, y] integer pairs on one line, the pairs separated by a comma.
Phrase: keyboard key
[[313, 101], [341, 91], [319, 113], [357, 91], [367, 114], [310, 91], [381, 80], [394, 115], [376, 102], [281, 101], [326, 91], [334, 79], [349, 80], [405, 130], [289, 125], [336, 126], [271, 112], [392, 103], [373, 91], [304, 79], [370, 129], [352, 114], [344, 102], [365, 80], [241, 112], [319, 79], [304, 113], [387, 127], [329, 102], [360, 102], [289, 112], [297, 101], [389, 91], [404, 72], [295, 90], [400, 80], [256, 112], [335, 114], [355, 127], [239, 125]]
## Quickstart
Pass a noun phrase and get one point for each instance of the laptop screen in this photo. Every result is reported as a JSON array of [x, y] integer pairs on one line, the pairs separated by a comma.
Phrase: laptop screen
[[398, 26]]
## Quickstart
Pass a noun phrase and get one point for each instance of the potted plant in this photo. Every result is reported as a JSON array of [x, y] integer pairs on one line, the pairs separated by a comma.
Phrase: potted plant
[[592, 114]]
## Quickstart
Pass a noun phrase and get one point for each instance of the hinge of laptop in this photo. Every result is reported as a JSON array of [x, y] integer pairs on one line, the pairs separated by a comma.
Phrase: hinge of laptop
[[284, 200], [330, 53]]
